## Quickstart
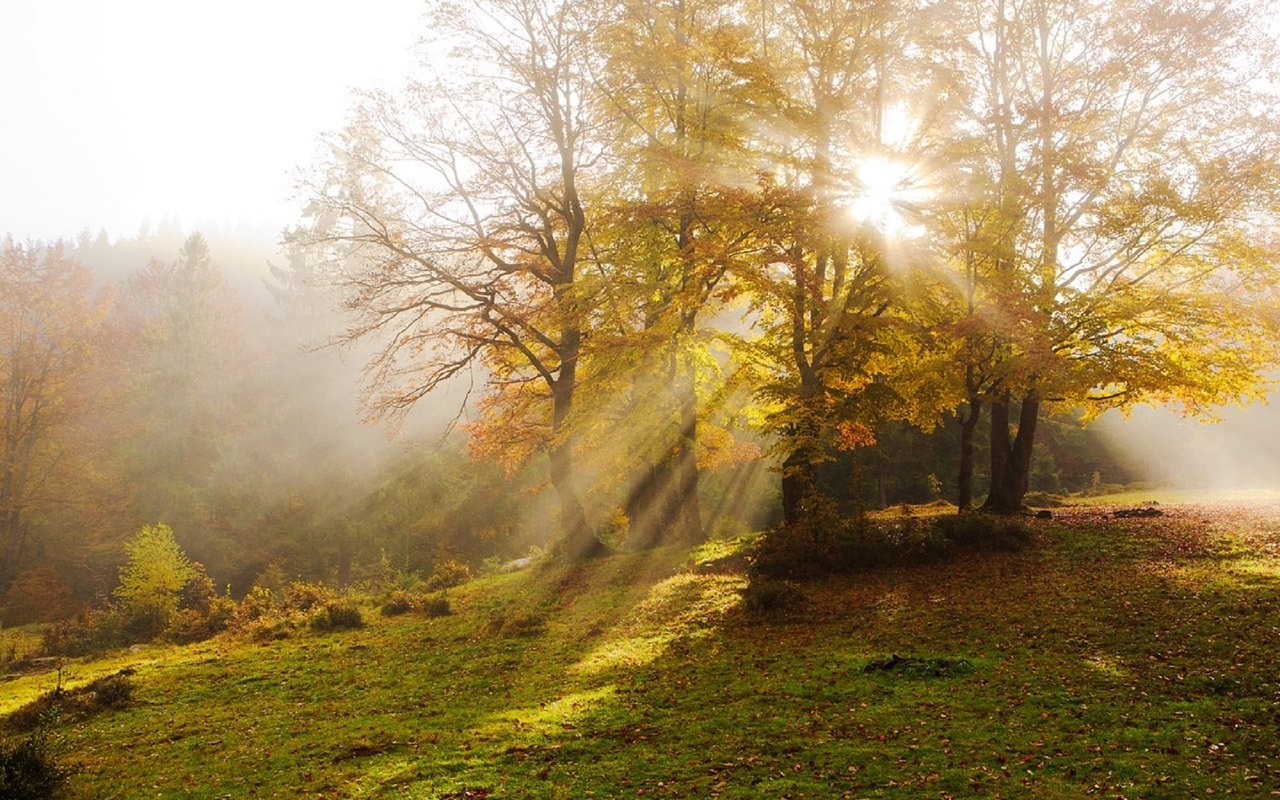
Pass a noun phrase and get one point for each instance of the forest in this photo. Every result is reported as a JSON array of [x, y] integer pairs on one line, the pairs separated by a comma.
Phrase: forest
[[625, 330]]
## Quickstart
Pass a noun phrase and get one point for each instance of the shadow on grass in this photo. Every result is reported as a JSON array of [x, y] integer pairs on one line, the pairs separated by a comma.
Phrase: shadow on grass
[[1108, 660]]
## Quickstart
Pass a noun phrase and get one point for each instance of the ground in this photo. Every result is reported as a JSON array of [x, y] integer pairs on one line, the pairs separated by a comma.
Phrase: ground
[[1113, 658]]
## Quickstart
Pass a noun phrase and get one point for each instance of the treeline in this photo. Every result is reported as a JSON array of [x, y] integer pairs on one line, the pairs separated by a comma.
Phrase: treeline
[[160, 394], [670, 235]]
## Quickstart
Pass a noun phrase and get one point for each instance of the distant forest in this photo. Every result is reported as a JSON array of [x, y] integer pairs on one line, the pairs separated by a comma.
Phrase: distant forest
[[192, 387]]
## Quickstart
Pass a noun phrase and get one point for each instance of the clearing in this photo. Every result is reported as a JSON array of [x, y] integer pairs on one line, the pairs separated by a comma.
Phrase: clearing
[[1113, 658]]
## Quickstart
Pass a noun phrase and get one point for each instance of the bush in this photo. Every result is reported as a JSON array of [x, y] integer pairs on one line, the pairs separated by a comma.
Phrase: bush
[[30, 769], [189, 625], [270, 629], [302, 596], [397, 603], [447, 574], [336, 616], [39, 594], [823, 543], [256, 605], [90, 632], [809, 548], [110, 692], [528, 623], [974, 530], [113, 691], [199, 594], [436, 605], [773, 599]]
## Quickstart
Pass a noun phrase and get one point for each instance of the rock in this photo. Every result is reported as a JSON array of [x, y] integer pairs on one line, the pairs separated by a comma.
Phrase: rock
[[1137, 512]]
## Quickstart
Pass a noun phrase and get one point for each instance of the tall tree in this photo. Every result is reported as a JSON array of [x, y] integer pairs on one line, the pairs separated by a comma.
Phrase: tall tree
[[830, 226], [674, 90], [1125, 163], [456, 220], [48, 319], [189, 354]]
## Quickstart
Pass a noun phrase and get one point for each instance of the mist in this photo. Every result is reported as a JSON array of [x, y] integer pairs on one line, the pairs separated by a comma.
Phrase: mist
[[1238, 450]]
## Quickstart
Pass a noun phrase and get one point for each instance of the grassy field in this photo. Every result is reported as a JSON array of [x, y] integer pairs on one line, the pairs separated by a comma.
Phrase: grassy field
[[1114, 658]]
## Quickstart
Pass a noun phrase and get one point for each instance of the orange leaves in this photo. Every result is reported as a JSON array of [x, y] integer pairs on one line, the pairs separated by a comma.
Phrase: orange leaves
[[852, 435]]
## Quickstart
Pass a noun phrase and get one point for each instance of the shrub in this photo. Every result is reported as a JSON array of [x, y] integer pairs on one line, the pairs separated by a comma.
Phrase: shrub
[[397, 603], [773, 599], [257, 604], [39, 594], [823, 543], [974, 530], [110, 692], [813, 546], [151, 580], [30, 769], [303, 596], [1044, 500], [270, 629], [447, 574], [113, 691], [199, 594], [436, 605], [527, 623], [336, 616], [189, 625], [90, 632]]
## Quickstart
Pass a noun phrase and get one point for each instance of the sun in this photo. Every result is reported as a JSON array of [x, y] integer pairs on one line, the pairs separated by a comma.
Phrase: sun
[[884, 189]]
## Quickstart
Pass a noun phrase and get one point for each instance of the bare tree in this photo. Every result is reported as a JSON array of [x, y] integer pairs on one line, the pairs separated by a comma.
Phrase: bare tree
[[454, 218]]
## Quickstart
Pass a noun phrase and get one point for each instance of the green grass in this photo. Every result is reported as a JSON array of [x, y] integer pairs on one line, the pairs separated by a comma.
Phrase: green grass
[[1131, 658], [1172, 495]]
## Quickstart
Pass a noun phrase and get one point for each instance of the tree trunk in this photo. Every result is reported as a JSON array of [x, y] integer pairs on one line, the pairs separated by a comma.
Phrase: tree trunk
[[688, 528], [798, 481], [1010, 455], [968, 426], [578, 540]]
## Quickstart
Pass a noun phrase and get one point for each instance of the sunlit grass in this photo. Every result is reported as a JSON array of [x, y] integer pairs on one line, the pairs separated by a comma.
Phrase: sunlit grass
[[1112, 659], [1179, 495]]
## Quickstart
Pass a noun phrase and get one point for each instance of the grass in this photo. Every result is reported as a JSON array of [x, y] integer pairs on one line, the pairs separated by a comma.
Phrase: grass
[[1175, 495], [1115, 658]]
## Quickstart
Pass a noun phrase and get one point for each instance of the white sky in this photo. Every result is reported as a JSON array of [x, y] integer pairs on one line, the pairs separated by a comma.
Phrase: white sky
[[124, 111]]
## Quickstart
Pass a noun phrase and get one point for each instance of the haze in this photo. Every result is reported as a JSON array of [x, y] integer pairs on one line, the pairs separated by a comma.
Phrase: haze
[[135, 111]]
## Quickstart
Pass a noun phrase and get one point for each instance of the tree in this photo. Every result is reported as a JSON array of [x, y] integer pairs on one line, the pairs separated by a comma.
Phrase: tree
[[188, 356], [1122, 165], [153, 577], [48, 318], [674, 91], [827, 286], [455, 219]]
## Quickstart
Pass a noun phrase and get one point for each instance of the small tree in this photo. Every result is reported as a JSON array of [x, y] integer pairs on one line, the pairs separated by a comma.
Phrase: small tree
[[153, 578]]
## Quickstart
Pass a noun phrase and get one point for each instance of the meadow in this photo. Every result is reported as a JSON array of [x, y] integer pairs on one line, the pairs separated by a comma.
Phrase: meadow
[[1112, 658]]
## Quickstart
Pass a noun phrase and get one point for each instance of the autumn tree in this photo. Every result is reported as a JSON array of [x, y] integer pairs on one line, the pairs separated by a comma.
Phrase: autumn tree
[[152, 578], [831, 228], [48, 319], [454, 216], [1121, 171], [674, 89]]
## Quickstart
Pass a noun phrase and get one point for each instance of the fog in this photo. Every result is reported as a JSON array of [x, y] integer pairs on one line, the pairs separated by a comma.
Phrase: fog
[[1240, 450]]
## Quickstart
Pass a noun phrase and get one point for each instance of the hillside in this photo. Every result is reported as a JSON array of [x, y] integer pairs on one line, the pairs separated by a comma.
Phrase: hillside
[[1130, 659]]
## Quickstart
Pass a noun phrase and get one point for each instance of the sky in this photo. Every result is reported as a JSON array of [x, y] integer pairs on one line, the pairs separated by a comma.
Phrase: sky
[[132, 111]]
